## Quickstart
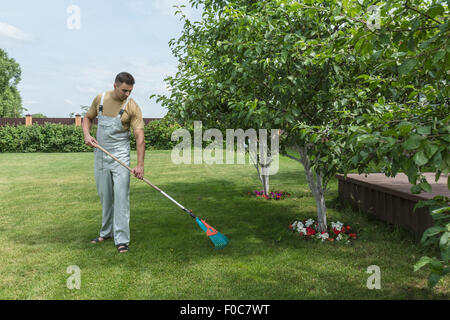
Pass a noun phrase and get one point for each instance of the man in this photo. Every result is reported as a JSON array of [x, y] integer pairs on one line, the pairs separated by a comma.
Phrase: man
[[117, 113]]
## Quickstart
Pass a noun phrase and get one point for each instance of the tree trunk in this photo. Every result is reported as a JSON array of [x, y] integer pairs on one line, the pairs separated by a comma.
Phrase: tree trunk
[[262, 170], [265, 182], [317, 188]]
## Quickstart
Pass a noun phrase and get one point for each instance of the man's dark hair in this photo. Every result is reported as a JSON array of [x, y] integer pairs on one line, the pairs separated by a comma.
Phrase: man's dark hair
[[125, 77]]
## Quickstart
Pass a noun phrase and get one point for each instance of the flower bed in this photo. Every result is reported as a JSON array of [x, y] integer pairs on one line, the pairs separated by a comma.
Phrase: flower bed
[[308, 229], [277, 195]]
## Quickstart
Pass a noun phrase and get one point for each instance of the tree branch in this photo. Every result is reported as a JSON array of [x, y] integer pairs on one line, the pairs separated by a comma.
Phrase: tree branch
[[421, 13]]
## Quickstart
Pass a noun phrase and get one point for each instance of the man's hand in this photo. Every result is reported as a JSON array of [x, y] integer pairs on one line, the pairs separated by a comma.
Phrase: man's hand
[[138, 172], [90, 141]]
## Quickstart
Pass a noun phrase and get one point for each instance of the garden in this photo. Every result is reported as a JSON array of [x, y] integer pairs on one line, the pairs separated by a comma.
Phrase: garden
[[342, 86]]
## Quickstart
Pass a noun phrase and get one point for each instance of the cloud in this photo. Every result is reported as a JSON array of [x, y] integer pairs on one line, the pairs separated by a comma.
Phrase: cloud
[[69, 102], [8, 31]]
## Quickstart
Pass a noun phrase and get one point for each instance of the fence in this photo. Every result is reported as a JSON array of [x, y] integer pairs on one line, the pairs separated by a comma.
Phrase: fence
[[28, 121]]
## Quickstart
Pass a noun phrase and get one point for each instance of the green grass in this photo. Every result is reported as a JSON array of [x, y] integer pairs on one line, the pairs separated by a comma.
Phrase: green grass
[[50, 210]]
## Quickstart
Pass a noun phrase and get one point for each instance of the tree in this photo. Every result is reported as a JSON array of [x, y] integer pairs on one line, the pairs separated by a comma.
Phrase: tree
[[38, 115], [408, 59], [335, 84], [269, 64], [10, 100]]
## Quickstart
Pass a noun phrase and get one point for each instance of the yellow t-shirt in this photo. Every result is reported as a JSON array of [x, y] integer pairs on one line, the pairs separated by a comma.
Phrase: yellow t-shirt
[[132, 115]]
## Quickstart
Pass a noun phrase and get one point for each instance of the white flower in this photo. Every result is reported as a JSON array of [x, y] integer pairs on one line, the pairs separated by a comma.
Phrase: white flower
[[337, 225], [302, 230], [309, 222], [323, 236]]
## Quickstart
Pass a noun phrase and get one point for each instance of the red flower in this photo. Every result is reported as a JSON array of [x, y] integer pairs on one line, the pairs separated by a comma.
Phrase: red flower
[[291, 227], [348, 228], [310, 231], [336, 232], [352, 235]]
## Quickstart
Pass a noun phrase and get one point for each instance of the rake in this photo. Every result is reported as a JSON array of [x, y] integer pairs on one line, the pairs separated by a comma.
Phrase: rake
[[219, 240]]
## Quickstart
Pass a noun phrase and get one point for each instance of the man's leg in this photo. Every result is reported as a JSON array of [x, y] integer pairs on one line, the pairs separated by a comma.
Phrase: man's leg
[[104, 181], [121, 178]]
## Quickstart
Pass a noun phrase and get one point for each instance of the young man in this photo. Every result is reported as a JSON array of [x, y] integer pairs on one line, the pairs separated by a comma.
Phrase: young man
[[116, 114]]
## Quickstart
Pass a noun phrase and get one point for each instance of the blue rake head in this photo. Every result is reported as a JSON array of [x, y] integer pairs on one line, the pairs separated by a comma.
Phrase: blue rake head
[[219, 240]]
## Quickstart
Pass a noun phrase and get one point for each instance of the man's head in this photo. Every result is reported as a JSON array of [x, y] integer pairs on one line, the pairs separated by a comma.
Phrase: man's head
[[123, 85]]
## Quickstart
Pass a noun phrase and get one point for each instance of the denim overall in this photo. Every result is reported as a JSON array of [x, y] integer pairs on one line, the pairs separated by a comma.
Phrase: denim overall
[[112, 179]]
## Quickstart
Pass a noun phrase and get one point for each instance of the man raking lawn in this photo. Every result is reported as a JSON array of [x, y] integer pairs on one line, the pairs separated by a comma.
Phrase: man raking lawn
[[116, 114], [218, 239]]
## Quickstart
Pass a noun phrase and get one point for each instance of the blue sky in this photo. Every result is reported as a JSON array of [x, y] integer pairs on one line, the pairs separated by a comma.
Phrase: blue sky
[[64, 67]]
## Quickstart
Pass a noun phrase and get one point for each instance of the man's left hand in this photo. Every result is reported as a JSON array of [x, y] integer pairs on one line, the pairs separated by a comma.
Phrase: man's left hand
[[138, 172]]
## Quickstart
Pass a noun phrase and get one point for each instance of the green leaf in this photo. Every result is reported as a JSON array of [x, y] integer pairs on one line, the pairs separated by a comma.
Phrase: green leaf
[[412, 173], [430, 149], [407, 66], [445, 254], [416, 189], [423, 130], [420, 158], [444, 239], [412, 44], [413, 142], [438, 56], [433, 279], [422, 262], [432, 231], [425, 186]]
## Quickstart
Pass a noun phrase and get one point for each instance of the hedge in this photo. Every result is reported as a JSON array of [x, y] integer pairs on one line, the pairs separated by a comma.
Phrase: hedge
[[69, 138]]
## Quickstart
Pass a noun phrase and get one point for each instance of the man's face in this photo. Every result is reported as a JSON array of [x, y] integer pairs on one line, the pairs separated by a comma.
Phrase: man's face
[[123, 90]]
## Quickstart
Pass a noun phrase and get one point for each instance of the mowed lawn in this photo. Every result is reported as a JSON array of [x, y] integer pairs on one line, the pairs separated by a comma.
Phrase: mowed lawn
[[50, 210]]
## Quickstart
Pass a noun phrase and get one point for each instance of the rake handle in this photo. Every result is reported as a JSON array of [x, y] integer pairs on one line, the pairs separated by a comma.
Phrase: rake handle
[[146, 181]]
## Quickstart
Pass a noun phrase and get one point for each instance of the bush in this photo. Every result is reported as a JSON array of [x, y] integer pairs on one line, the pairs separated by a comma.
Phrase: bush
[[49, 137], [158, 135], [52, 137]]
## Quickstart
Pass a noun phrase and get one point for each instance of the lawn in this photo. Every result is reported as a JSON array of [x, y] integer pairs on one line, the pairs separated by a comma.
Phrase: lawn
[[50, 210]]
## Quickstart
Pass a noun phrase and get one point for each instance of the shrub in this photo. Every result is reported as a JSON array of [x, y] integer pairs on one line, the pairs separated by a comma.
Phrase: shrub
[[49, 137], [52, 137], [158, 135]]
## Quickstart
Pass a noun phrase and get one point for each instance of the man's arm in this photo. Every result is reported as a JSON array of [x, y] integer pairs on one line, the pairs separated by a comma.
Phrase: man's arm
[[88, 139], [138, 171]]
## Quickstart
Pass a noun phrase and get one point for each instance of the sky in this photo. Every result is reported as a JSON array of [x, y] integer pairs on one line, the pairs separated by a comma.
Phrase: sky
[[71, 50]]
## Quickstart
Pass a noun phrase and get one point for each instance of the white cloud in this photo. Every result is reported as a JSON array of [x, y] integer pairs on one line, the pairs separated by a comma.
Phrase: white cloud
[[69, 102], [8, 31]]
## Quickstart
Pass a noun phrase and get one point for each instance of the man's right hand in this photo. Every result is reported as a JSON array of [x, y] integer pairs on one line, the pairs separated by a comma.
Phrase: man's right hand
[[90, 141]]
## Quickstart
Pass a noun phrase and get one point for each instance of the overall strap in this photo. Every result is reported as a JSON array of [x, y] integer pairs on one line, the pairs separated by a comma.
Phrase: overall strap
[[123, 108], [100, 108]]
